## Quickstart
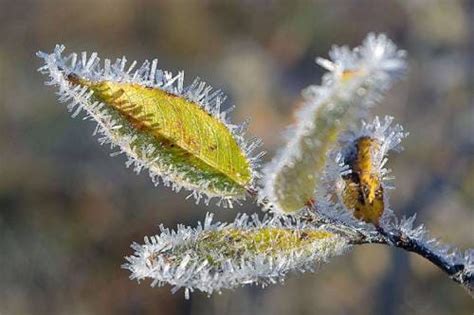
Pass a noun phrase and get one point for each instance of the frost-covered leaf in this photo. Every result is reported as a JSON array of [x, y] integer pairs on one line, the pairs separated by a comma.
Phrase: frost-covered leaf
[[356, 80], [178, 133], [355, 182], [363, 191], [217, 256], [363, 180]]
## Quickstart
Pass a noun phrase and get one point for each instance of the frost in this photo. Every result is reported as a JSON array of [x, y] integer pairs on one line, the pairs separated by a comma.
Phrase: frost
[[216, 256], [326, 154], [356, 80], [388, 137], [420, 234], [62, 71]]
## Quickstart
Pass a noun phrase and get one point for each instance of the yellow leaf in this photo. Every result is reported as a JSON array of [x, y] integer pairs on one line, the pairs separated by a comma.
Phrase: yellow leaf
[[363, 192], [160, 125], [266, 240], [355, 81]]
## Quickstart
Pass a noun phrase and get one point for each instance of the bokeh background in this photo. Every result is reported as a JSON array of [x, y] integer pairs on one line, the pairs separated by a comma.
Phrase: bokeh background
[[68, 212]]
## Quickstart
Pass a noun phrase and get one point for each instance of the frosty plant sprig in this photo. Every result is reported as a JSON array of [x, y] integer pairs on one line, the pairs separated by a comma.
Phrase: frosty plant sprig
[[178, 133], [325, 191], [215, 256], [355, 81]]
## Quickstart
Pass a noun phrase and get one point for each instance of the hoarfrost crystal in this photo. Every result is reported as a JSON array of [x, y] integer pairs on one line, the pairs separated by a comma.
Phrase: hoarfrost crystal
[[331, 173], [451, 255], [175, 132], [356, 80], [215, 256], [355, 177]]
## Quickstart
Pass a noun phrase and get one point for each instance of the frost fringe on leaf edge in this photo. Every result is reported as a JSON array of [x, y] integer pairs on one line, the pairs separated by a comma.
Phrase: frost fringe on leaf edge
[[79, 98], [196, 272], [377, 63]]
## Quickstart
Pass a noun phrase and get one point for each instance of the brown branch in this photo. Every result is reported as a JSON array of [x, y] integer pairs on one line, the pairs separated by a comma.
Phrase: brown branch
[[457, 272]]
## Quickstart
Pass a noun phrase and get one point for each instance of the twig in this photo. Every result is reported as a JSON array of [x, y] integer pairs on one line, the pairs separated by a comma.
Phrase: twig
[[457, 272], [396, 238]]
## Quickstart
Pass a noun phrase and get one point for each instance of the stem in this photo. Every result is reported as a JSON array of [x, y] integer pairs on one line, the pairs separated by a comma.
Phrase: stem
[[457, 272]]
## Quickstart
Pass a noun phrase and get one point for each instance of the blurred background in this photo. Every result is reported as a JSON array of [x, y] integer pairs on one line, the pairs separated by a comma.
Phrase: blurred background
[[68, 212]]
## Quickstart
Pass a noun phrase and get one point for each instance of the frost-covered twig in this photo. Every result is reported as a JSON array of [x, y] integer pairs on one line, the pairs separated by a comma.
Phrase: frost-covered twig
[[457, 265], [331, 177], [216, 256]]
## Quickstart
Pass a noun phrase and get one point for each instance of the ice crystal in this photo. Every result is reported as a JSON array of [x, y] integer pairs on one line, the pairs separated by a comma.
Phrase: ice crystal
[[356, 80], [333, 170], [451, 256], [215, 256], [388, 137], [76, 77], [342, 175]]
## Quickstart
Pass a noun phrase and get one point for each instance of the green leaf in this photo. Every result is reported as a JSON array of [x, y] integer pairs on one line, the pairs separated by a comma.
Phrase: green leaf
[[355, 81], [173, 132]]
